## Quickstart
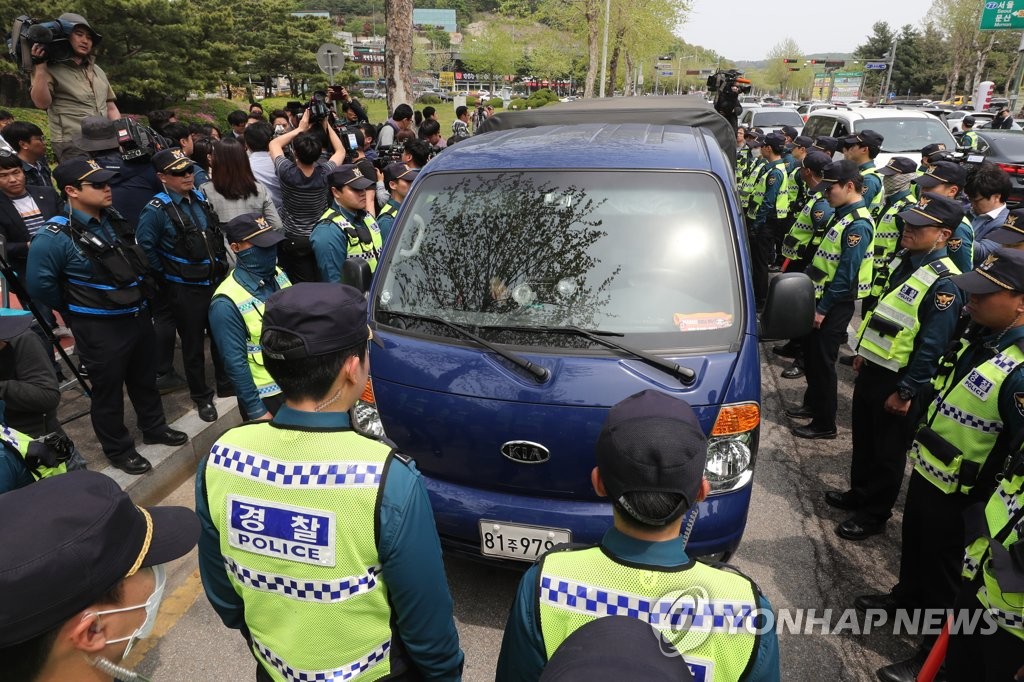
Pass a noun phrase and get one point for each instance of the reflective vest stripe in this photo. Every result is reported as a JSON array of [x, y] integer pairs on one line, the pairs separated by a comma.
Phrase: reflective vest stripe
[[346, 672], [294, 474], [1008, 619], [967, 419], [826, 258], [669, 612], [305, 589], [802, 230]]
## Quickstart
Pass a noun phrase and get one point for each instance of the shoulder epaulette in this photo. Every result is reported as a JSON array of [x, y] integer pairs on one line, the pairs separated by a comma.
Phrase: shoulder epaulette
[[163, 197], [939, 268]]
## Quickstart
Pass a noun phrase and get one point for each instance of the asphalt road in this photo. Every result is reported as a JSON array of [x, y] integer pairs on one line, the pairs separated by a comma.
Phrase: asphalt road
[[789, 549]]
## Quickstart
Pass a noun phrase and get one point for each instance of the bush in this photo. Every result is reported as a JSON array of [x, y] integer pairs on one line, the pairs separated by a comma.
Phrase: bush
[[546, 95], [496, 102], [428, 99]]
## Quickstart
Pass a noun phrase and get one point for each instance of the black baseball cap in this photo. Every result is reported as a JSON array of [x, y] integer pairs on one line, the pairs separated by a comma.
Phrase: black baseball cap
[[13, 323], [352, 176], [816, 161], [70, 538], [652, 442], [1012, 229], [616, 648], [776, 141], [933, 210], [943, 172], [969, 121], [789, 131], [754, 140], [898, 165], [167, 160], [326, 316], [868, 138], [252, 228], [826, 143], [400, 171], [75, 171], [935, 149], [1002, 270], [805, 141], [837, 171]]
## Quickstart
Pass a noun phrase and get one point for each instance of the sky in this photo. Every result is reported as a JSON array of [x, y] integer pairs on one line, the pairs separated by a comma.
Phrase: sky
[[738, 30]]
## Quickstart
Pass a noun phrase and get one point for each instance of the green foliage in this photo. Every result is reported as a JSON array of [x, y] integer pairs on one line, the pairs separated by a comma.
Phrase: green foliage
[[428, 99], [495, 102]]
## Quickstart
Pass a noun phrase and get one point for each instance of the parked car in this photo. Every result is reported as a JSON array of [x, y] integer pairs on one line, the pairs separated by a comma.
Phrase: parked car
[[905, 131], [533, 280], [954, 119], [982, 125], [806, 110], [1005, 148], [771, 118], [858, 103]]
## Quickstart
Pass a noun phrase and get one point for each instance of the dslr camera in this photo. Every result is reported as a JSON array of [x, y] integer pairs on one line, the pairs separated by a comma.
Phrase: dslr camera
[[52, 35], [319, 109]]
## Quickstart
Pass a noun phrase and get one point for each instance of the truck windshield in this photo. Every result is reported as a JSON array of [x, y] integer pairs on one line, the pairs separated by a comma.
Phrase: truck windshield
[[648, 255]]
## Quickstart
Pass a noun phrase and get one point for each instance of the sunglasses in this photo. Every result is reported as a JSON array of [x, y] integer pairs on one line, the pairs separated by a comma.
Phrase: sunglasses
[[181, 173], [97, 185]]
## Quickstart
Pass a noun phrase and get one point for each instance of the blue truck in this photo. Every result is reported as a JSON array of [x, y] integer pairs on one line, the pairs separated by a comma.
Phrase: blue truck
[[537, 275]]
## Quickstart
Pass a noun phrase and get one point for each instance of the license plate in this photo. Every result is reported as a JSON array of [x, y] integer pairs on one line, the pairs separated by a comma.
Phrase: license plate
[[513, 541]]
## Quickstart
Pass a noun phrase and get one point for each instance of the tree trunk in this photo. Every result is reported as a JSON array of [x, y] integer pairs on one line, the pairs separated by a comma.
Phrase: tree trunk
[[613, 62], [953, 79], [1010, 76], [592, 14], [398, 52], [980, 59], [630, 88]]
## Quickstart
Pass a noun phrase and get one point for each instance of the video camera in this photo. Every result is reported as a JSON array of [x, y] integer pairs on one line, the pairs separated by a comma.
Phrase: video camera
[[27, 32], [728, 86], [137, 141], [319, 108]]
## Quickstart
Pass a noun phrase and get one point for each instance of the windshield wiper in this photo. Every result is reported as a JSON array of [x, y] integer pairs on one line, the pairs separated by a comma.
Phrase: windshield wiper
[[686, 374], [536, 371]]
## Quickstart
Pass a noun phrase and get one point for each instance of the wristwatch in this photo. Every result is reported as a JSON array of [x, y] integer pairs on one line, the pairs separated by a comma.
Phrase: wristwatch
[[905, 393]]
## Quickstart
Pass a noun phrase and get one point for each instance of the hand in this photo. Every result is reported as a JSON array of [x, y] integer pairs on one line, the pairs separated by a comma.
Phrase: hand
[[304, 121], [38, 53], [858, 362], [345, 96], [895, 405], [265, 417], [818, 319]]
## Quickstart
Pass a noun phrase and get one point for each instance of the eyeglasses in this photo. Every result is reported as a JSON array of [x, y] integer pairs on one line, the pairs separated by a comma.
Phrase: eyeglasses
[[97, 185], [182, 173]]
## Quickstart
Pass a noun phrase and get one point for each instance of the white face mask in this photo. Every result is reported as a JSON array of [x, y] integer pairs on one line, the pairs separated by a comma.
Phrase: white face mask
[[152, 606]]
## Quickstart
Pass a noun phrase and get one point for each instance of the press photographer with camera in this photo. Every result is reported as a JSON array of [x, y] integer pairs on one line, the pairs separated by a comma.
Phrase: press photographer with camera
[[728, 87], [71, 89]]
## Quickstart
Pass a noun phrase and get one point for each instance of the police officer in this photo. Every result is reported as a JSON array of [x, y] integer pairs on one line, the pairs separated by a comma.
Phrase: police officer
[[399, 177], [1011, 232], [180, 233], [993, 573], [897, 178], [24, 459], [948, 178], [346, 230], [340, 547], [751, 169], [862, 148], [83, 572], [790, 133], [930, 154], [88, 266], [969, 138], [768, 212], [841, 272], [650, 462], [826, 144], [236, 313], [899, 344], [797, 189], [962, 443]]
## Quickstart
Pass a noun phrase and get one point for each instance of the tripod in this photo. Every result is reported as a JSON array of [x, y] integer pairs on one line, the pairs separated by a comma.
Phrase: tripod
[[26, 301]]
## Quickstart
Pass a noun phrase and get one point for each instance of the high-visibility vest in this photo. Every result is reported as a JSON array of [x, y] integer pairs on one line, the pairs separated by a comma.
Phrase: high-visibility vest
[[366, 248], [887, 236], [19, 442], [796, 241], [761, 186], [877, 201], [296, 511], [825, 263]]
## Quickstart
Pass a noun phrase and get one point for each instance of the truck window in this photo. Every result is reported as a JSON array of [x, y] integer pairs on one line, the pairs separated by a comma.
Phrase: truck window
[[650, 255], [818, 126]]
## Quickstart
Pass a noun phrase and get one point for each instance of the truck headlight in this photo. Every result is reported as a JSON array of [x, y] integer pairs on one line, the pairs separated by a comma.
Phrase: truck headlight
[[732, 447], [364, 415]]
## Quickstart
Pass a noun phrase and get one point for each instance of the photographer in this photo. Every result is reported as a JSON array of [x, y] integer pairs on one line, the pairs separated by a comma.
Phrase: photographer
[[73, 89], [728, 87], [350, 107]]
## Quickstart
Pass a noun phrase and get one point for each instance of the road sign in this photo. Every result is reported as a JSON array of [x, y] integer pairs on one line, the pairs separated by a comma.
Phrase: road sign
[[331, 59], [876, 66], [446, 79], [666, 73], [998, 15], [892, 95]]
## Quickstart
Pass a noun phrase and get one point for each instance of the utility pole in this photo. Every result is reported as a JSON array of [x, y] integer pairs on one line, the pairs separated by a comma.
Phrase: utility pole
[[604, 43], [888, 74]]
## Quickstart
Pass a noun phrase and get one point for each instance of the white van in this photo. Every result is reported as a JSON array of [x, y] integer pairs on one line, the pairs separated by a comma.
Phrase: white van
[[904, 131]]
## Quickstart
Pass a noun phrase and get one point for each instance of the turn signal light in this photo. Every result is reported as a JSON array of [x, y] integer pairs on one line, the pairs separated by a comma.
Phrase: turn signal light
[[738, 418], [367, 396]]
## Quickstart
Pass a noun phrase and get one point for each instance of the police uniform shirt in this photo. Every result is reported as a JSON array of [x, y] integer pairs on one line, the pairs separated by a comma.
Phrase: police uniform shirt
[[856, 239], [156, 231], [872, 182], [776, 174], [385, 221], [961, 246], [54, 257], [408, 547], [330, 244], [523, 656]]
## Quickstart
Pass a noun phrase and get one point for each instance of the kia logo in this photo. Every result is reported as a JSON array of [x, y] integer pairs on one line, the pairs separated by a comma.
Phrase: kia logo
[[525, 452]]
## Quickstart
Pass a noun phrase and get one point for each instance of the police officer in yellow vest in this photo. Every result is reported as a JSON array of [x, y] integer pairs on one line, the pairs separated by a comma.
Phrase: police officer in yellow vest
[[897, 178], [862, 148], [319, 543], [236, 313], [841, 272], [993, 575], [398, 177], [969, 138], [650, 463], [24, 459], [948, 179], [768, 212], [345, 229], [962, 444], [900, 343]]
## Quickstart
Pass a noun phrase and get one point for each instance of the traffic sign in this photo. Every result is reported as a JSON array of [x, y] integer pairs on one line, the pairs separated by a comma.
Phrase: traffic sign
[[331, 59], [876, 66], [666, 73], [998, 15]]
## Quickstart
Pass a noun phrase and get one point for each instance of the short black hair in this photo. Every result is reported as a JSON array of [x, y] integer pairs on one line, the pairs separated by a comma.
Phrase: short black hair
[[20, 131], [310, 378], [238, 117], [6, 115], [653, 505], [403, 112], [307, 147], [369, 131], [988, 179], [461, 110], [429, 127], [419, 150], [158, 118], [279, 113], [8, 161], [258, 136], [177, 131], [428, 112]]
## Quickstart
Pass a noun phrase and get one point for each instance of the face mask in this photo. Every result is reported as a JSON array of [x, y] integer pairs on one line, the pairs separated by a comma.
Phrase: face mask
[[152, 606], [258, 261]]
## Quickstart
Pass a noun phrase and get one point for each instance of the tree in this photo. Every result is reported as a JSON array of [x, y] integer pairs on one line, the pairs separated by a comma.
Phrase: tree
[[906, 69], [492, 52], [777, 75], [878, 45], [581, 19], [398, 55]]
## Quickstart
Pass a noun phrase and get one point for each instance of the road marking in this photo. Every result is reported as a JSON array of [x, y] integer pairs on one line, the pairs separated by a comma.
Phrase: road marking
[[173, 607]]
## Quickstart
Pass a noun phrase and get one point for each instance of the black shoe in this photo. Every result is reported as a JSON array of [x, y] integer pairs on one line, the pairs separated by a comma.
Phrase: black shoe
[[133, 463], [169, 382], [207, 412], [813, 432], [225, 391], [846, 360], [794, 371], [877, 602], [848, 500], [166, 437], [859, 528], [903, 671], [785, 351], [802, 412]]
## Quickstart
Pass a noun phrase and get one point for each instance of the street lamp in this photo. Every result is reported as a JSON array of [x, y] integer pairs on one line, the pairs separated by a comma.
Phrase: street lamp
[[891, 54]]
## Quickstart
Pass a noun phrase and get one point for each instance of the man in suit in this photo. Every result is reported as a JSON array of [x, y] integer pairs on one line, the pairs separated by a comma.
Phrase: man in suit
[[988, 188]]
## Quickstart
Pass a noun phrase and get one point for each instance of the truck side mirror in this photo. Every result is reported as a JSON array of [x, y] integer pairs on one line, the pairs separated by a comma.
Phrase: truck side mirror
[[356, 273], [789, 310]]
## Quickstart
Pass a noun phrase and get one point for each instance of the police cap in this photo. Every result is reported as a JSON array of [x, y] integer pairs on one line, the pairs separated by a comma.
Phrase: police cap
[[776, 141], [173, 159], [933, 210], [326, 316], [1001, 271], [898, 165], [826, 143], [789, 131], [816, 161], [252, 228], [867, 138], [76, 171], [1012, 229], [805, 141], [943, 173], [935, 151], [837, 171], [400, 171], [350, 175]]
